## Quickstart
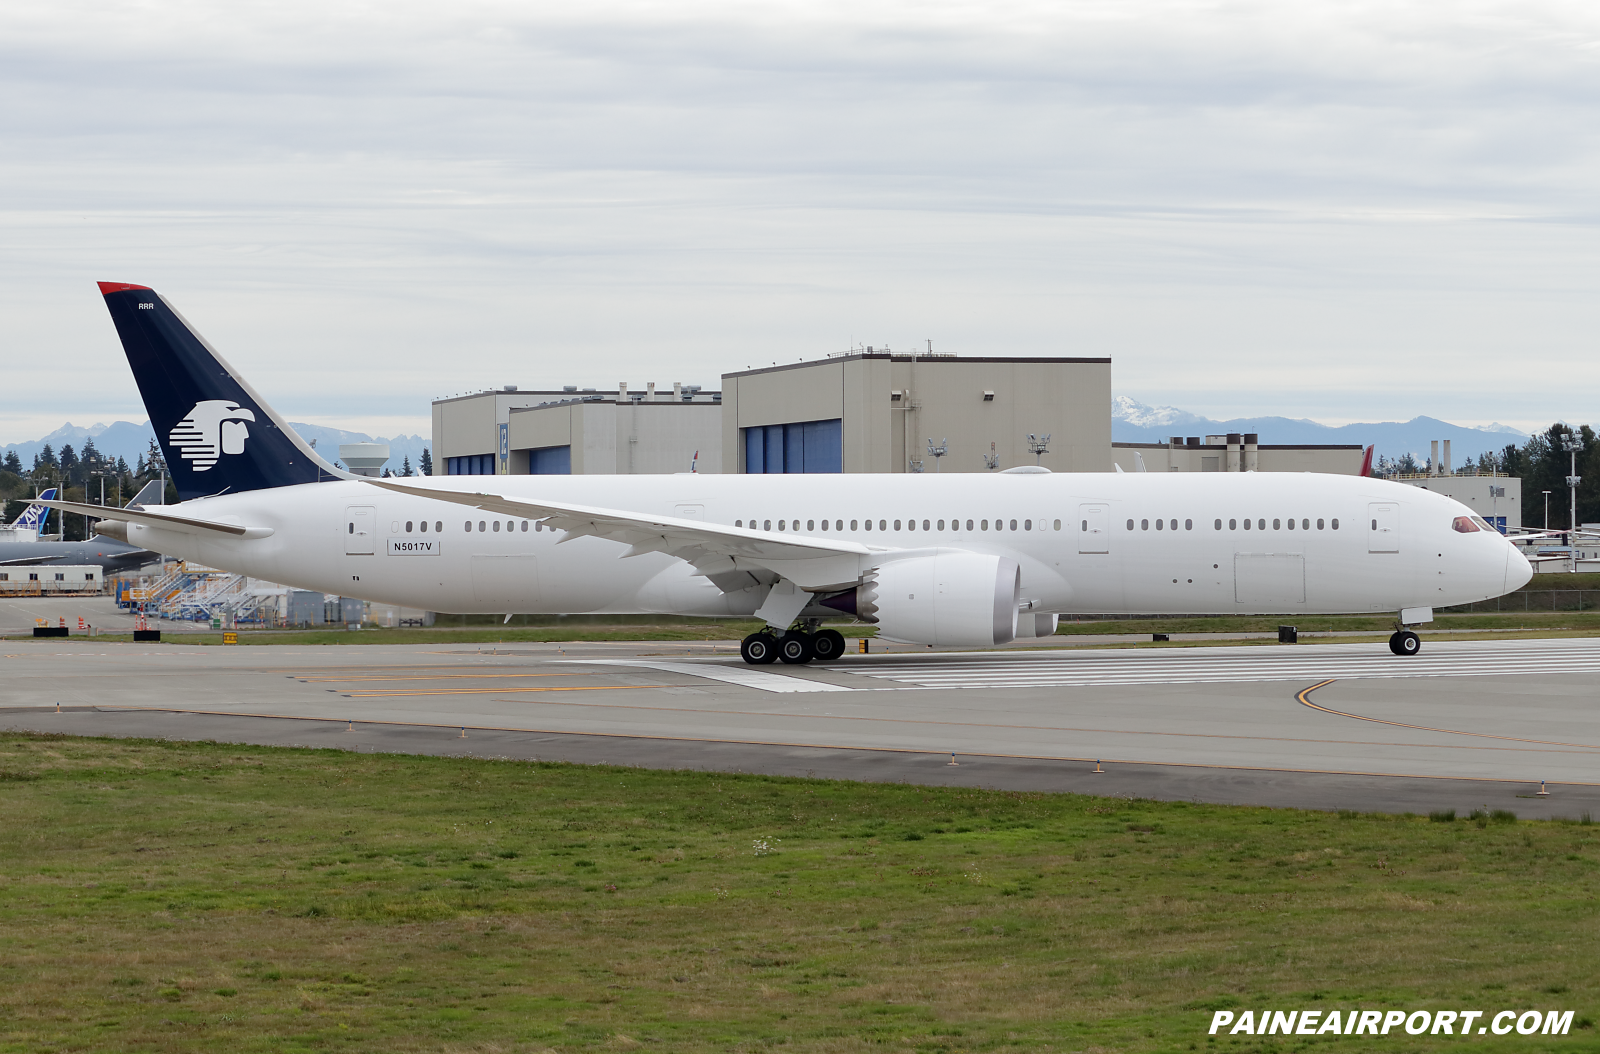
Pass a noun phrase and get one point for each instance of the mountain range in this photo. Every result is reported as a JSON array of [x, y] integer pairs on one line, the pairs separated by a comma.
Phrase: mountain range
[[127, 440], [1136, 422], [1131, 422]]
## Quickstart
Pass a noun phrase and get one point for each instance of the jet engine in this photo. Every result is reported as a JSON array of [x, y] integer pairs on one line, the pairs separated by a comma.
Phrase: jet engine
[[951, 598]]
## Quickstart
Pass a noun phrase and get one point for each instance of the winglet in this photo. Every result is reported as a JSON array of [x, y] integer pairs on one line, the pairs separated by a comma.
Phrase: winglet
[[107, 288]]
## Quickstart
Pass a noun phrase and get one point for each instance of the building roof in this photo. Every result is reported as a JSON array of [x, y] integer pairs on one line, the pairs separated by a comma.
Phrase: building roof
[[921, 360]]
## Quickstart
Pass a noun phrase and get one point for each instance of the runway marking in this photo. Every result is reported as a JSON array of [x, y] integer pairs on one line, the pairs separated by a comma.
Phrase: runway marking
[[1304, 697], [1232, 665], [445, 677], [500, 691], [747, 678], [925, 722], [835, 746]]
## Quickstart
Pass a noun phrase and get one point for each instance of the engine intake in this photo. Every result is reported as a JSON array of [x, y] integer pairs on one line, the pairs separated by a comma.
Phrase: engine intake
[[950, 598]]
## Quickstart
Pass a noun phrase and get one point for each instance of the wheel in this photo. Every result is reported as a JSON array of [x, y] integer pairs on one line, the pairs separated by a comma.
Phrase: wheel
[[795, 648], [827, 645], [758, 649], [1404, 642]]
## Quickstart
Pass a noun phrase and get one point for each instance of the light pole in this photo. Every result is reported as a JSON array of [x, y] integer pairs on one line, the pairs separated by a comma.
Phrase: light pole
[[1038, 446], [1572, 444], [937, 452], [1546, 510]]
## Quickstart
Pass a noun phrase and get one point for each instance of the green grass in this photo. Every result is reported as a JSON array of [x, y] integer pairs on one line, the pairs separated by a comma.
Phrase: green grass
[[202, 897]]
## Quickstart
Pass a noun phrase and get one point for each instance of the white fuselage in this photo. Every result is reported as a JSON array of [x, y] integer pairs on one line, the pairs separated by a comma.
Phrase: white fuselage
[[1393, 547]]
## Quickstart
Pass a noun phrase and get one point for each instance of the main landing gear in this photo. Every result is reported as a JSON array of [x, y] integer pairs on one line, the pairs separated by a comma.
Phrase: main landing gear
[[1404, 642], [793, 646]]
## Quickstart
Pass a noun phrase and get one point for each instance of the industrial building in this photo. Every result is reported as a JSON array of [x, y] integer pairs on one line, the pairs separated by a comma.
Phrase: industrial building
[[506, 431], [1498, 499], [1235, 452], [874, 411]]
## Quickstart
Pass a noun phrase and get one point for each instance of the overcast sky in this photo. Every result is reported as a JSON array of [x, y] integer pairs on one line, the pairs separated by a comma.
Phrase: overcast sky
[[1344, 212]]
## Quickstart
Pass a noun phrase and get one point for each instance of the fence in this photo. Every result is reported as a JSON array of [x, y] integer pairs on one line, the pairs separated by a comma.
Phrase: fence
[[1535, 600]]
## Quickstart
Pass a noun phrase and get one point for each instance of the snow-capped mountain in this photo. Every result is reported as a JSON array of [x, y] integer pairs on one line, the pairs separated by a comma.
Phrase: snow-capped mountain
[[1136, 422]]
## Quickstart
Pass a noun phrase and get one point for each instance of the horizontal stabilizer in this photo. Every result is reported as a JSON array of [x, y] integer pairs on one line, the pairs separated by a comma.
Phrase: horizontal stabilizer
[[165, 520]]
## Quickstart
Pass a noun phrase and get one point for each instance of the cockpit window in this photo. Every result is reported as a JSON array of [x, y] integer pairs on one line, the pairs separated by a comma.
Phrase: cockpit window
[[1483, 524], [1465, 525]]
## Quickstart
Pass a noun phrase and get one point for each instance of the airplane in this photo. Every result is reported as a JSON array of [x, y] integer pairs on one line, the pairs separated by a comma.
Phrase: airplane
[[110, 554], [30, 524], [954, 560]]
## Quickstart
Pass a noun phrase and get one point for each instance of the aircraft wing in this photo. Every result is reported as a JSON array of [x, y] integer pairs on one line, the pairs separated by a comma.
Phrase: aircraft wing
[[726, 555], [165, 520]]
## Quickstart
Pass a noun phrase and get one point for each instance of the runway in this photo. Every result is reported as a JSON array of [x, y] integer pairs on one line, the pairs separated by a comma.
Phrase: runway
[[1191, 720]]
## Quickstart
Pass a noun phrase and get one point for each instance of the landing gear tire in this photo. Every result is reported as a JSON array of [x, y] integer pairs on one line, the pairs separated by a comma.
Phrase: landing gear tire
[[827, 645], [1404, 642], [795, 648], [758, 649]]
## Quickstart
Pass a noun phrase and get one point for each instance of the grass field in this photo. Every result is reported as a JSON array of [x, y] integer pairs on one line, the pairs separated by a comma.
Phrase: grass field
[[201, 897]]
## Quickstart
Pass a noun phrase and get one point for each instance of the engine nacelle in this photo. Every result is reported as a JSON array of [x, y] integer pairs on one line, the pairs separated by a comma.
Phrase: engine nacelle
[[1034, 625], [951, 598]]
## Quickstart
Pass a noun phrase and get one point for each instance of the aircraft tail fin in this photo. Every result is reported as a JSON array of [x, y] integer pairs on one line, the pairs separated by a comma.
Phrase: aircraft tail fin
[[33, 517], [1366, 462], [151, 493], [217, 434]]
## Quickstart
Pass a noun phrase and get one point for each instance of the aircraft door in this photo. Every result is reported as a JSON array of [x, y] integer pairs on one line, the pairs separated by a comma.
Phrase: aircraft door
[[1094, 528], [1383, 527], [360, 522]]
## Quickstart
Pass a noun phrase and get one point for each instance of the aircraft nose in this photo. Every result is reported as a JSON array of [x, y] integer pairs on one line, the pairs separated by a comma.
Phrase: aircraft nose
[[1518, 570]]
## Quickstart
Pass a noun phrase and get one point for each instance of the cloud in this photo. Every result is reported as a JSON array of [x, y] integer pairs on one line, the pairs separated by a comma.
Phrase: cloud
[[1332, 210]]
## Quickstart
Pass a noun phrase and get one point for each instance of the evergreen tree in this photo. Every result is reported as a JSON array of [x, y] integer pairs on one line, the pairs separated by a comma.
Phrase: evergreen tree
[[387, 474], [90, 455], [69, 463], [426, 462], [405, 465], [13, 462], [46, 457], [122, 466]]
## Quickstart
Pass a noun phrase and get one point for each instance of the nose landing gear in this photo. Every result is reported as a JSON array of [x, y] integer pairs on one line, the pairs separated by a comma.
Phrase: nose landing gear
[[1405, 642]]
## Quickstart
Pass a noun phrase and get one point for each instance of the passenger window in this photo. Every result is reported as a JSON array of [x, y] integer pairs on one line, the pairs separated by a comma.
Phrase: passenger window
[[924, 524], [969, 525], [1058, 525], [1013, 525], [1144, 525], [838, 525], [424, 526], [1027, 525], [408, 526], [1247, 525], [497, 526], [1261, 525], [781, 524], [524, 526], [738, 523], [1335, 523], [1161, 525], [1130, 525], [911, 525], [811, 525], [1305, 525], [853, 526], [1277, 525], [984, 524], [941, 525], [1319, 523], [1188, 525], [1291, 523], [467, 526], [767, 525], [438, 525], [897, 525], [1233, 525], [1219, 525]]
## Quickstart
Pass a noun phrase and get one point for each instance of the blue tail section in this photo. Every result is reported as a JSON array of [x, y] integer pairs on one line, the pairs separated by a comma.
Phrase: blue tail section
[[33, 517], [217, 434]]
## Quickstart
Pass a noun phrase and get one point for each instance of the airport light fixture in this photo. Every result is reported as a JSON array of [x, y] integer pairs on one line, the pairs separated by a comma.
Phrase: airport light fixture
[[1572, 444], [1038, 446], [937, 452]]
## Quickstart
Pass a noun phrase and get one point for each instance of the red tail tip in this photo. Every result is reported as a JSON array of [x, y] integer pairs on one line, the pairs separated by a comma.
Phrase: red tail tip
[[107, 288]]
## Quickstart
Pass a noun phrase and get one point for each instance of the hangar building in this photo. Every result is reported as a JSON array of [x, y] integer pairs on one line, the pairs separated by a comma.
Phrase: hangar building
[[1235, 452], [874, 411], [506, 431]]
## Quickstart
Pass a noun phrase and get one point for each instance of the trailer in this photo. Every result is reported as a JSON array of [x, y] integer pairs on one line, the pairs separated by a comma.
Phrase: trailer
[[51, 580]]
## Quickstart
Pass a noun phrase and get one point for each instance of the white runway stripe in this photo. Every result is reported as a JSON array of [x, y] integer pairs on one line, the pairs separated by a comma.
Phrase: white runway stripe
[[1222, 665]]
